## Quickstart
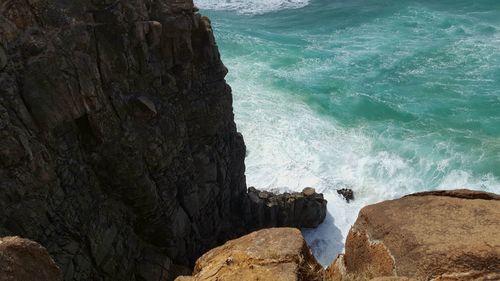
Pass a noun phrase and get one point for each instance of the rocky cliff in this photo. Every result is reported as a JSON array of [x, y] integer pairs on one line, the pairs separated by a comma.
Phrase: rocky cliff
[[118, 148]]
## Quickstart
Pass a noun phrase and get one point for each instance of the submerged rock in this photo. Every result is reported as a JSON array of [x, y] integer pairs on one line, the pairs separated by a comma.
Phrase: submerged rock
[[276, 254], [25, 260], [298, 209], [348, 194], [439, 235]]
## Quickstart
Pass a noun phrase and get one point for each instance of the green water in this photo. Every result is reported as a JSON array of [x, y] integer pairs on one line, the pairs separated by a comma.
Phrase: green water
[[385, 97]]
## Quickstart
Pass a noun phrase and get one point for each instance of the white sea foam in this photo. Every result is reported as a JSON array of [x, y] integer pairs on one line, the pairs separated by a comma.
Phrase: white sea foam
[[251, 6], [290, 146]]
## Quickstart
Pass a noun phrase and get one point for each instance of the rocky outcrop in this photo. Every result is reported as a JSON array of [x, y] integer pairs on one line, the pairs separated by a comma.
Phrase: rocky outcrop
[[118, 148], [276, 254], [347, 193], [439, 235], [299, 209], [23, 260]]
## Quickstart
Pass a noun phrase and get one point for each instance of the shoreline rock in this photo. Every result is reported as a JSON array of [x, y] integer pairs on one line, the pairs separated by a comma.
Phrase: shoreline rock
[[263, 209], [438, 235], [348, 194], [278, 254]]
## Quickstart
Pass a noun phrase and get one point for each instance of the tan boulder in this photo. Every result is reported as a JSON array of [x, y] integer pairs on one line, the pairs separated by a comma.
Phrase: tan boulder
[[275, 254], [440, 235], [24, 260]]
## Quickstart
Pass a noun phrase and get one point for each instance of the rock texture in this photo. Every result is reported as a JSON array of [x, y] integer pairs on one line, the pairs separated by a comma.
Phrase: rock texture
[[277, 254], [298, 209], [23, 260], [118, 148], [440, 235]]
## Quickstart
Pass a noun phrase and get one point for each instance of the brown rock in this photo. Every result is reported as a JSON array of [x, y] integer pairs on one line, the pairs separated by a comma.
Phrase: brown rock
[[277, 254], [308, 191], [437, 235], [23, 260]]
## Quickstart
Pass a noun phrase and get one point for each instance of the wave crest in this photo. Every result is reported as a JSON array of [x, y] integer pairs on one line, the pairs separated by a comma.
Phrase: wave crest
[[251, 6]]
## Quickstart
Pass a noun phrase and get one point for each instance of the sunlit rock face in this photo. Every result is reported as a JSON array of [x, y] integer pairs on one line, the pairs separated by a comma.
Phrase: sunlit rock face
[[437, 235]]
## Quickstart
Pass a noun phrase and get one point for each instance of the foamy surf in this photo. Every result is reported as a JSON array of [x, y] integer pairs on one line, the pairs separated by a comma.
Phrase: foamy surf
[[291, 146], [251, 6], [385, 99]]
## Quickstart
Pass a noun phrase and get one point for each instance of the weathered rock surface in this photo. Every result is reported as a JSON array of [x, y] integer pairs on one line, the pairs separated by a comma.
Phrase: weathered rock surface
[[276, 254], [25, 260], [298, 209], [439, 235], [118, 148]]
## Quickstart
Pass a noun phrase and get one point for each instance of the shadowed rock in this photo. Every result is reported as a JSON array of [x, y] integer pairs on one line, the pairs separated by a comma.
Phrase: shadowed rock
[[298, 209], [348, 194], [118, 148]]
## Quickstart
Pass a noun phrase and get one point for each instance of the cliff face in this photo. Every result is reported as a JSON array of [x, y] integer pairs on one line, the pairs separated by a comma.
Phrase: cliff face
[[118, 149]]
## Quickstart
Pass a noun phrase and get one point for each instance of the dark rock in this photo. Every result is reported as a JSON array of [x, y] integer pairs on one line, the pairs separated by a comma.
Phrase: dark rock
[[118, 149], [348, 194], [299, 209], [3, 58]]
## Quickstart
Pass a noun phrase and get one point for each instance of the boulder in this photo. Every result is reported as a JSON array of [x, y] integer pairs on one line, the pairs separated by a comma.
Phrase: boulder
[[277, 254], [23, 260], [439, 235], [298, 209]]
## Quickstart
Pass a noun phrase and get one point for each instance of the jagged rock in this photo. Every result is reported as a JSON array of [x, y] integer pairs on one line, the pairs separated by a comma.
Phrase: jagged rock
[[3, 58], [299, 209], [440, 235], [277, 254], [118, 148], [348, 194], [24, 260]]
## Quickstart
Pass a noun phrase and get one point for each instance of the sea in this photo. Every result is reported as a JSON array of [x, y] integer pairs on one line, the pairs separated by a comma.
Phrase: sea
[[384, 97]]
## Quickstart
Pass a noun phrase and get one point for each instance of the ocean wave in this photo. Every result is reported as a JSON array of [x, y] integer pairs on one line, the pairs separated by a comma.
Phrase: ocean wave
[[251, 6], [385, 104], [291, 146]]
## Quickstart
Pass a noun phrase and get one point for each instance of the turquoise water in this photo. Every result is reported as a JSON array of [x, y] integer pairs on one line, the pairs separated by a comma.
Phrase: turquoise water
[[382, 96]]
